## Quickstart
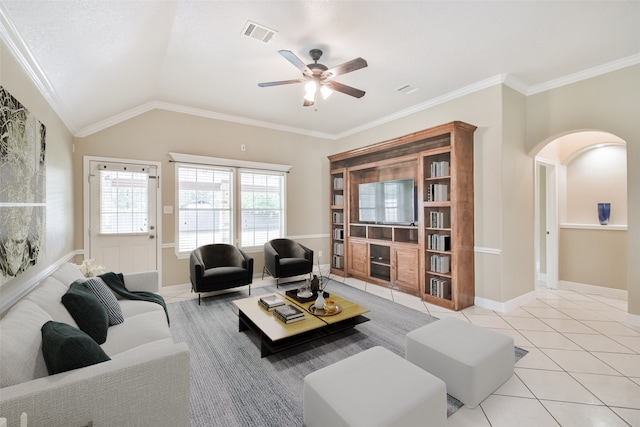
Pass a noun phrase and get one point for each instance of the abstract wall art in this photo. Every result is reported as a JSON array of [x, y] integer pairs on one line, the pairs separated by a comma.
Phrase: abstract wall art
[[22, 187]]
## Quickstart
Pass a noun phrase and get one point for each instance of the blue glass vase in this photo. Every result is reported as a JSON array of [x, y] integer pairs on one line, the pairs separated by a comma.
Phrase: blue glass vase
[[604, 212]]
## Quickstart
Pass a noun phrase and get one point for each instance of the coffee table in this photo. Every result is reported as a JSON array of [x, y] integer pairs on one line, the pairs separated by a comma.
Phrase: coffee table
[[276, 336]]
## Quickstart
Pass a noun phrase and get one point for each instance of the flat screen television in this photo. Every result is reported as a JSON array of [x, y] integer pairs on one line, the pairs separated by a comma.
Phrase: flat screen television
[[387, 202]]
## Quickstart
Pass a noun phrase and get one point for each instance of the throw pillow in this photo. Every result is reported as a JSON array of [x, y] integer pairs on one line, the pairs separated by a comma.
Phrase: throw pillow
[[65, 348], [87, 311], [106, 298]]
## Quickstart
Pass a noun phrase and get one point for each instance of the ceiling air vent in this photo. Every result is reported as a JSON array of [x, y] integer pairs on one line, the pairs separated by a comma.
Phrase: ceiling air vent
[[258, 32], [407, 89]]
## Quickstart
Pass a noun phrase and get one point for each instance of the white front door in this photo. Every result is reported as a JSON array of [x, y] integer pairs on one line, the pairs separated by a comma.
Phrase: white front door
[[122, 218]]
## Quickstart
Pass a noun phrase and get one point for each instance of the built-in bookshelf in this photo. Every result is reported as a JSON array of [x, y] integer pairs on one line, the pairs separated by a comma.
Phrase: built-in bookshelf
[[338, 177], [432, 257], [448, 217]]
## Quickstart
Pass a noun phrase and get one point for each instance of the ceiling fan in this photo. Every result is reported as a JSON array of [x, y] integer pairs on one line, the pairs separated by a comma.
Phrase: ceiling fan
[[318, 77]]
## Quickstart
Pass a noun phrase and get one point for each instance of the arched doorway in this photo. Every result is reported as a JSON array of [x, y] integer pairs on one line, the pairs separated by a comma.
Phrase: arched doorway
[[574, 172]]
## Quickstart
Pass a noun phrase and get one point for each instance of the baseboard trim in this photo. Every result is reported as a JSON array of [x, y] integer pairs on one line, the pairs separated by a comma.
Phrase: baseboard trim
[[592, 289], [9, 300], [503, 307], [633, 320]]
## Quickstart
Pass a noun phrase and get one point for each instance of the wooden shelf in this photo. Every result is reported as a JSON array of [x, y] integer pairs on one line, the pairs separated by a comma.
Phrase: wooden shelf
[[440, 161]]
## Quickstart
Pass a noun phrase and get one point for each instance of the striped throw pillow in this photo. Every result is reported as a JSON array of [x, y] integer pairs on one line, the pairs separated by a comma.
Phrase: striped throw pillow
[[106, 297]]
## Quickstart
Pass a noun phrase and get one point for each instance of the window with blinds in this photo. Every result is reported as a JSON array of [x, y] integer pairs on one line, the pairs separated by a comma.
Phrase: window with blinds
[[205, 208], [261, 207], [208, 210], [124, 202]]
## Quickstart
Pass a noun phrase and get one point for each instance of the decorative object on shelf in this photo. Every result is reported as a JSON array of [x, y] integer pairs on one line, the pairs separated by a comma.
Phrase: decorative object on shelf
[[604, 212], [89, 268]]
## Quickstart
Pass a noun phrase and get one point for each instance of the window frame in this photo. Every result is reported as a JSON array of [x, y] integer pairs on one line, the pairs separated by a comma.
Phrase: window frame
[[283, 204], [236, 166]]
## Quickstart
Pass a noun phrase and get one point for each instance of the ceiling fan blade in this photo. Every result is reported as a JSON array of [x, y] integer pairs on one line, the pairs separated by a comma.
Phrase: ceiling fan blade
[[282, 82], [347, 67], [297, 62], [339, 87]]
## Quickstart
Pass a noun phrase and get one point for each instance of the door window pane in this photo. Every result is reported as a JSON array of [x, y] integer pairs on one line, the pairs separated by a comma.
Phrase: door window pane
[[124, 201]]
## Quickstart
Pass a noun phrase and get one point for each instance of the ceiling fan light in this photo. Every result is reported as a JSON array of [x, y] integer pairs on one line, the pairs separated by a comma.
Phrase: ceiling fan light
[[325, 91], [310, 90]]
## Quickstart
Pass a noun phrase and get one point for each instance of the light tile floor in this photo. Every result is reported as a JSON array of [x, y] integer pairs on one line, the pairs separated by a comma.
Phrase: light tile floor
[[583, 366]]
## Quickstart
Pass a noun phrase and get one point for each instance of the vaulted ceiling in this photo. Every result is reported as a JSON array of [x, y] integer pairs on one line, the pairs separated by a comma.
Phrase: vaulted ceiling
[[100, 62]]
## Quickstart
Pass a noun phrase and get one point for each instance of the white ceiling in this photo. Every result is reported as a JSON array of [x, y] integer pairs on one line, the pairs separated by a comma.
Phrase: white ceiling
[[100, 62]]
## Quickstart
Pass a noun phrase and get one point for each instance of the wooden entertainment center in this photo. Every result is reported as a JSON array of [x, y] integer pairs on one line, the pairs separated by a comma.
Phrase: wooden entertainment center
[[431, 257]]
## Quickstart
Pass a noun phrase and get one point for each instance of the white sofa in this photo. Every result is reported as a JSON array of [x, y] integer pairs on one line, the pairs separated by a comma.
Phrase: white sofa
[[146, 382]]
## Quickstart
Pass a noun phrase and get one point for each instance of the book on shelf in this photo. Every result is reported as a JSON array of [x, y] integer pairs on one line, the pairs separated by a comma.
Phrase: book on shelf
[[438, 219], [437, 193], [439, 169], [338, 183], [338, 248], [338, 199], [439, 242], [271, 302], [440, 288], [288, 313], [338, 233], [338, 217], [338, 261], [440, 263]]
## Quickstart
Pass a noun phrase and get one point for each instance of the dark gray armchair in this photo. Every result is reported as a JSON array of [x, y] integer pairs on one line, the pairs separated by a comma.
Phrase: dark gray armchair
[[286, 258], [219, 266]]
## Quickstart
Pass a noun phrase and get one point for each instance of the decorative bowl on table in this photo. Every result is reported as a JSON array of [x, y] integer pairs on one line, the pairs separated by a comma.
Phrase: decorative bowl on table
[[329, 306]]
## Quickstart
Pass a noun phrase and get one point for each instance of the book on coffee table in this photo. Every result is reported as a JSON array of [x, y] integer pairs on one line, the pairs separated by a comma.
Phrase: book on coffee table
[[270, 302], [288, 313]]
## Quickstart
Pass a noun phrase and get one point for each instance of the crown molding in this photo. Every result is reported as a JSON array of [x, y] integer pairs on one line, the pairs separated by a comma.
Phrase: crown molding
[[160, 105], [585, 74]]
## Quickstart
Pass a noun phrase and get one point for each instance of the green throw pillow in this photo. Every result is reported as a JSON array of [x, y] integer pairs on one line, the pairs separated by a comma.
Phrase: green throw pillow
[[65, 348], [87, 311]]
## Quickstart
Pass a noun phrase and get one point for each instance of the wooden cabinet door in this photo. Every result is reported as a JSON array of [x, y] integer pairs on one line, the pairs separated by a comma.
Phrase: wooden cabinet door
[[405, 269], [358, 259]]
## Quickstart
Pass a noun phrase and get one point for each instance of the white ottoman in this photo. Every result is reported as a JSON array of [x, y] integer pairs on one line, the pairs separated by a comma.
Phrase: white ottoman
[[471, 360], [374, 388]]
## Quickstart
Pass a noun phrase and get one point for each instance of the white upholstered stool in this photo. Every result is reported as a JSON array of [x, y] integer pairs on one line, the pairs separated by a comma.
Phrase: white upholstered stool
[[374, 388], [472, 361]]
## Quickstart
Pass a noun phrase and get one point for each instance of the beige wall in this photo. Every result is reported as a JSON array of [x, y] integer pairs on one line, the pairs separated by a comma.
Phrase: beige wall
[[59, 173], [593, 257], [598, 175], [611, 103], [151, 136], [518, 269]]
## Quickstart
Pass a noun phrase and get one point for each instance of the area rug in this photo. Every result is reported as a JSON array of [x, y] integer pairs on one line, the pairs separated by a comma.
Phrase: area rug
[[231, 385]]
